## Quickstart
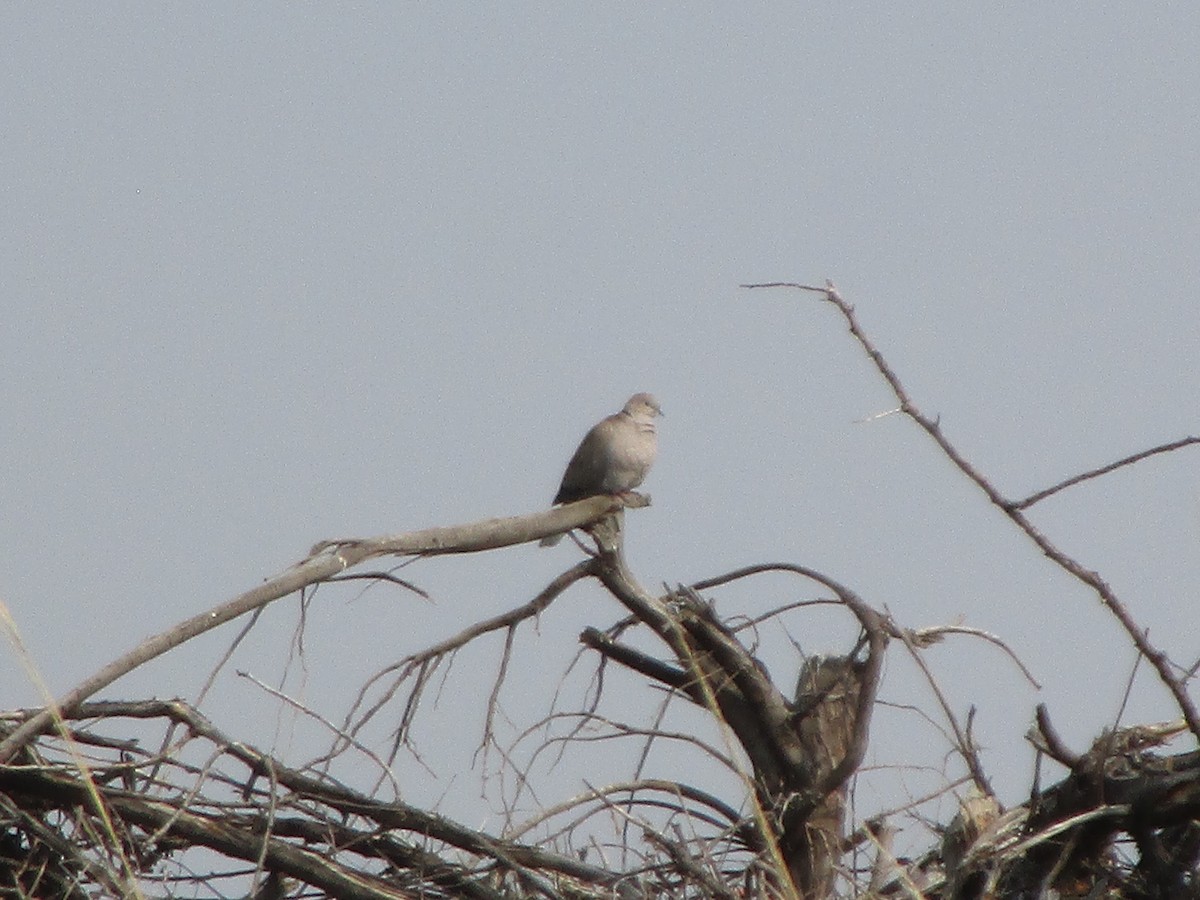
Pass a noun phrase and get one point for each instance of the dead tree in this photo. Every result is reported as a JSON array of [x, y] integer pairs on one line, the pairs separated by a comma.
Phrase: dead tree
[[269, 815], [87, 809]]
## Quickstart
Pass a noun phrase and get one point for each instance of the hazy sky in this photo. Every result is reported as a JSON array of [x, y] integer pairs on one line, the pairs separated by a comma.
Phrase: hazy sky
[[274, 273]]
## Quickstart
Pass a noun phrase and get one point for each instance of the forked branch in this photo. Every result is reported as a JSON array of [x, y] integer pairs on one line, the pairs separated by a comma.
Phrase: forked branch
[[1014, 509]]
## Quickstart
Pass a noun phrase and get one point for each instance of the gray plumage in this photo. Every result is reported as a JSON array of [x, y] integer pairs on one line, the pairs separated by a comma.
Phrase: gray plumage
[[613, 457]]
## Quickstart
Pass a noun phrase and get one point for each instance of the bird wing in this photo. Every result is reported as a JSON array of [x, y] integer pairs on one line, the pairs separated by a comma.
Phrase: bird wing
[[586, 472]]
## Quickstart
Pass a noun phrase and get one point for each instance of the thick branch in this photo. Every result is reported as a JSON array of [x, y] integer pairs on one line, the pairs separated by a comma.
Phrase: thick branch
[[326, 559], [662, 672]]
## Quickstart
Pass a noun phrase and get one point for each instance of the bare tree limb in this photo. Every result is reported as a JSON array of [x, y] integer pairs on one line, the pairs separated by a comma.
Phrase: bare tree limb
[[1103, 470], [1011, 509], [327, 559], [1047, 739]]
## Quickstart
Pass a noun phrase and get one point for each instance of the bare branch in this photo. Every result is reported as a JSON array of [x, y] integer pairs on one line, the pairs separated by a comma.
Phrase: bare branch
[[932, 427], [327, 559], [662, 672], [1103, 470], [921, 637], [672, 788], [1046, 739]]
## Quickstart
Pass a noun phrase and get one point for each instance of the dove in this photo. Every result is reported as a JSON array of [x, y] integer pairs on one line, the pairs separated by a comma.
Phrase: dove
[[613, 457]]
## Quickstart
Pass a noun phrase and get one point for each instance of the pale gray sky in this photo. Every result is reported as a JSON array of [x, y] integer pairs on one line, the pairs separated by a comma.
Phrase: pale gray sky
[[273, 273]]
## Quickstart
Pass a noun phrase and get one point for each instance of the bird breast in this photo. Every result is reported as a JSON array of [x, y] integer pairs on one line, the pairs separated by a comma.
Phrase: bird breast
[[631, 459]]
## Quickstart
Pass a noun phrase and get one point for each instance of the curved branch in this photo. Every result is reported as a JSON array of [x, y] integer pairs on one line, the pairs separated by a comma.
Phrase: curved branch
[[876, 627], [674, 788], [1046, 738], [923, 637]]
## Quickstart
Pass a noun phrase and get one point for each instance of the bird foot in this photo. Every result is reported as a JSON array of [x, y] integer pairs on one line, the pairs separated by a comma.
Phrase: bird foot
[[633, 499]]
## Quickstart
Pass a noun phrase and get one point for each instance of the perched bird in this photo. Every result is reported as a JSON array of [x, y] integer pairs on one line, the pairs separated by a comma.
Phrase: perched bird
[[613, 457]]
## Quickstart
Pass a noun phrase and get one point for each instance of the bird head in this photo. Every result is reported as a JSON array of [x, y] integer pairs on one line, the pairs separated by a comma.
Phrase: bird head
[[642, 406]]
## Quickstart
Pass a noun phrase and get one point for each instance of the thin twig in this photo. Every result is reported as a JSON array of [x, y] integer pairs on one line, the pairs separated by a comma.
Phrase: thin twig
[[921, 635], [674, 788], [1103, 470], [962, 739]]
